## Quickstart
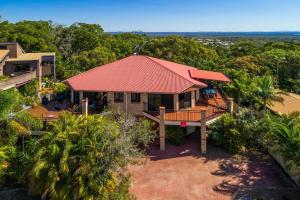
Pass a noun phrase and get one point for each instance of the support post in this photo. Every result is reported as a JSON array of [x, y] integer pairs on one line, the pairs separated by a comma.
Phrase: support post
[[230, 105], [85, 106], [72, 96], [197, 95], [203, 131], [162, 129], [193, 99], [126, 104], [80, 96], [176, 102]]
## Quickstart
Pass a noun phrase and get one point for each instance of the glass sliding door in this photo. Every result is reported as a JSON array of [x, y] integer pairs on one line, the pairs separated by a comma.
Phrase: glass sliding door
[[185, 100], [157, 100]]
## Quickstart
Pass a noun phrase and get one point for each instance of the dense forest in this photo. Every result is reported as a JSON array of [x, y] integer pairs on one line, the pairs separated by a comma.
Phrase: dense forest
[[86, 157], [81, 46]]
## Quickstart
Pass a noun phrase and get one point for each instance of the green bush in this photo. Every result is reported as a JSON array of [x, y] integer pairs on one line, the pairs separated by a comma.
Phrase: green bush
[[3, 78], [60, 88], [30, 122], [30, 89], [174, 135], [245, 130]]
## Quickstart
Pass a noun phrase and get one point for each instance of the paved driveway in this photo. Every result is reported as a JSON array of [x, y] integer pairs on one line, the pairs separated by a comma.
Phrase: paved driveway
[[182, 173]]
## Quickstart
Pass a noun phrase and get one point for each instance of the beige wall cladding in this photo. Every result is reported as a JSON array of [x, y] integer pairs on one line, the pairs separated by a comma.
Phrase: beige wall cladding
[[14, 50], [132, 107], [47, 70]]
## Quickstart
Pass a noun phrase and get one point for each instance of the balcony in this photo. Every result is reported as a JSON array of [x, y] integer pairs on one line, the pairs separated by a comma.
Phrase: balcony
[[17, 80], [214, 108]]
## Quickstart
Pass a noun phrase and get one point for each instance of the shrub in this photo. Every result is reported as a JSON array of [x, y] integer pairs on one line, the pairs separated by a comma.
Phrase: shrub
[[224, 134], [245, 130], [174, 135], [60, 88], [16, 127], [30, 122], [30, 89], [3, 78]]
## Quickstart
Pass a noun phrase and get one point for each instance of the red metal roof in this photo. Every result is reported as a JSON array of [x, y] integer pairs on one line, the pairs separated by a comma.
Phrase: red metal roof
[[136, 73], [208, 75]]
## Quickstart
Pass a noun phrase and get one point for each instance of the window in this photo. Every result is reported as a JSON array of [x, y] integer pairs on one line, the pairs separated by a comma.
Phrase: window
[[47, 62], [135, 97], [118, 97]]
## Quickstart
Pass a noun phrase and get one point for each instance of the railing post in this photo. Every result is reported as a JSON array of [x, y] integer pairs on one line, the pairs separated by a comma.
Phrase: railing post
[[203, 131], [85, 106], [162, 128]]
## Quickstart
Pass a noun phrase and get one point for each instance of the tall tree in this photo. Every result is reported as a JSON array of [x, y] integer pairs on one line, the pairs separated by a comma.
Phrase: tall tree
[[85, 157]]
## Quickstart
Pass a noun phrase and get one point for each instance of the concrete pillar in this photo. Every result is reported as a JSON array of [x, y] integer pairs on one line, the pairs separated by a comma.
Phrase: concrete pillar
[[176, 102], [80, 96], [162, 129], [203, 131], [85, 106], [193, 101], [230, 105], [72, 96]]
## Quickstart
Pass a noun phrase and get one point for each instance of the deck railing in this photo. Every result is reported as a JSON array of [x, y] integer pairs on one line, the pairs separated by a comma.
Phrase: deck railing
[[188, 115], [17, 80]]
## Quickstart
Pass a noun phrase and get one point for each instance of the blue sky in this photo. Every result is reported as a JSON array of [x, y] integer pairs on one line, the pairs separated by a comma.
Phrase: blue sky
[[162, 15]]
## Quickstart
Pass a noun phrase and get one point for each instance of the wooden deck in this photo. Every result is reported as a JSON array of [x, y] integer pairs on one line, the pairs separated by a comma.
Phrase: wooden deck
[[214, 107]]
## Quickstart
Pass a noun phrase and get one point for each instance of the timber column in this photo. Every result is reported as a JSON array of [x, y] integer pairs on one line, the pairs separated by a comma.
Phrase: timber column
[[230, 105], [203, 131], [72, 96], [162, 129], [85, 106]]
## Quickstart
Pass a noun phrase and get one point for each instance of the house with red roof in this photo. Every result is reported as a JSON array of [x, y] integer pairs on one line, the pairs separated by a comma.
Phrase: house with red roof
[[165, 92]]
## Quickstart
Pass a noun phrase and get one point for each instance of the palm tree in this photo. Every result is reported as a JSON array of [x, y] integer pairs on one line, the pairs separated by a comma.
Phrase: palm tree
[[285, 132], [240, 88], [85, 157], [265, 92]]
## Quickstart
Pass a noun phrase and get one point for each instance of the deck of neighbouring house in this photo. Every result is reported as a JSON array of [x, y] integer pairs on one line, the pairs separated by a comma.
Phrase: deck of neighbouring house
[[50, 111]]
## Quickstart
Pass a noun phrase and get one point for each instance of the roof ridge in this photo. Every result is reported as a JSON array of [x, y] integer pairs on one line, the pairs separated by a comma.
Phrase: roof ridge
[[150, 58]]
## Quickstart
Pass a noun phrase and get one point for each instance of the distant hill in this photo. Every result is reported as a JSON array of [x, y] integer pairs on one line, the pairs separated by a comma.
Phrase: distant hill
[[286, 34]]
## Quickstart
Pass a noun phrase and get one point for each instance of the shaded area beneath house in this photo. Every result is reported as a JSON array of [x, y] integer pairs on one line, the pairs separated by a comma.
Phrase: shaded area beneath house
[[183, 173]]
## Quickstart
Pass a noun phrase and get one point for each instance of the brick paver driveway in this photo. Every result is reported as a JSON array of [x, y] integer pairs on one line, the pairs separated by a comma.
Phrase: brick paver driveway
[[182, 173]]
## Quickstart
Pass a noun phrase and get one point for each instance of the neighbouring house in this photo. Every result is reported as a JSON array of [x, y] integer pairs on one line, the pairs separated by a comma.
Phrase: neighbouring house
[[165, 92], [19, 67]]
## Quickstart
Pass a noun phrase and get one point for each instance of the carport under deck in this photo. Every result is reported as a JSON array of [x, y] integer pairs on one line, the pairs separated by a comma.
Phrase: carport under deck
[[201, 115]]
